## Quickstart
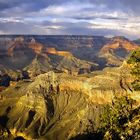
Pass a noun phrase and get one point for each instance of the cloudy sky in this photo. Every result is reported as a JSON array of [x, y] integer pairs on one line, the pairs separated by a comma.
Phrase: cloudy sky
[[67, 17]]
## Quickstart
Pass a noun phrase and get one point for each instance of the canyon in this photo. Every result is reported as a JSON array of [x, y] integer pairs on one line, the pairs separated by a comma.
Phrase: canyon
[[58, 87]]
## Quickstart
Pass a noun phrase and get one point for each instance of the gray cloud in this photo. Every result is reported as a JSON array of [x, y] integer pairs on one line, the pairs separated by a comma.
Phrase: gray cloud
[[94, 17], [132, 4]]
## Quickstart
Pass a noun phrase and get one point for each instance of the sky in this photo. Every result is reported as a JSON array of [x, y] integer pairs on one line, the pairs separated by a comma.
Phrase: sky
[[71, 17]]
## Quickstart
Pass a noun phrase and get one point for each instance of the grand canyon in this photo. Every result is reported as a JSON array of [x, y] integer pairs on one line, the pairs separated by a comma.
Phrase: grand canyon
[[69, 69], [59, 87]]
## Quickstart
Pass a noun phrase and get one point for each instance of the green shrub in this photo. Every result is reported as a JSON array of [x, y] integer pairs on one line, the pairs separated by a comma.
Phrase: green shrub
[[115, 116], [134, 60]]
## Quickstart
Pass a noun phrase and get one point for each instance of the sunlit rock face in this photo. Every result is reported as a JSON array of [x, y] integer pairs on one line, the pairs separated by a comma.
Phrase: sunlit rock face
[[117, 50], [50, 107], [60, 106], [96, 49], [34, 56], [55, 52], [43, 105]]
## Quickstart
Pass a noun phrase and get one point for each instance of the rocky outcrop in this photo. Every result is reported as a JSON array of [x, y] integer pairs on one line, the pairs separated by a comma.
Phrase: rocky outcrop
[[36, 47], [48, 108], [60, 106], [120, 42], [60, 53], [37, 58], [117, 50], [98, 50]]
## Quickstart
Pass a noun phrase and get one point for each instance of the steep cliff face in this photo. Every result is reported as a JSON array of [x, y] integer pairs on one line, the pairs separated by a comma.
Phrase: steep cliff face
[[73, 65], [56, 52], [39, 65], [119, 42], [33, 56], [36, 47], [17, 55], [117, 50], [73, 42], [96, 49]]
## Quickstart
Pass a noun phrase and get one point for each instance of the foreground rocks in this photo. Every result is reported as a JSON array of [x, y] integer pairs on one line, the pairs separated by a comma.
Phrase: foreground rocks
[[60, 106], [47, 110]]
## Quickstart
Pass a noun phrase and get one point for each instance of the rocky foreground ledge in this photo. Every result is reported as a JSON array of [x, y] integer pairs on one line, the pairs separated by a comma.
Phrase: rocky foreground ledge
[[59, 106]]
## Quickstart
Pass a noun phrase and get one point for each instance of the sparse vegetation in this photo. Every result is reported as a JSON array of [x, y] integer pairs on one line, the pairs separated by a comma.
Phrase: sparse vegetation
[[119, 120], [134, 60]]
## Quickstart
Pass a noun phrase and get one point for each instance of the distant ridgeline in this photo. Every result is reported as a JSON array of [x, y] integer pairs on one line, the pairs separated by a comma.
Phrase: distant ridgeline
[[24, 56]]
